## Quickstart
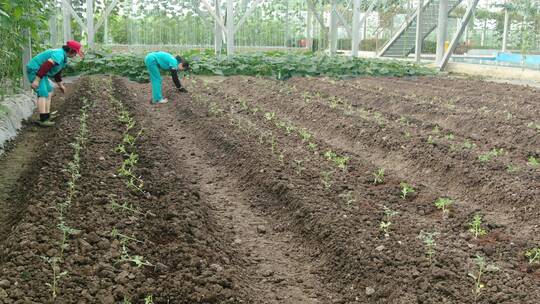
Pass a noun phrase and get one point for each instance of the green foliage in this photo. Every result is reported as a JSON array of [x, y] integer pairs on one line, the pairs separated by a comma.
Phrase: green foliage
[[406, 189], [378, 176], [533, 255], [428, 238], [19, 20], [443, 203], [279, 65], [490, 154], [386, 222], [533, 162], [476, 226]]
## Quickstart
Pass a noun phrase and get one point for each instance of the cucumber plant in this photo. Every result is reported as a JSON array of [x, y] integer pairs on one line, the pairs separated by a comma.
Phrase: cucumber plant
[[475, 226]]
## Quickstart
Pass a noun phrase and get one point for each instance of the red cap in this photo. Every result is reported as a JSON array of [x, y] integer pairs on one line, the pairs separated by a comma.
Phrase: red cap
[[76, 46]]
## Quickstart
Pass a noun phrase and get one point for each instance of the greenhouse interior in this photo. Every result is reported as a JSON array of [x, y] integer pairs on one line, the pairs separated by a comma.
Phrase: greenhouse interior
[[270, 151]]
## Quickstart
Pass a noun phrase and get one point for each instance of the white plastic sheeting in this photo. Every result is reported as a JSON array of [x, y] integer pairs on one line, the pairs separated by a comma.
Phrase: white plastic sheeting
[[13, 110]]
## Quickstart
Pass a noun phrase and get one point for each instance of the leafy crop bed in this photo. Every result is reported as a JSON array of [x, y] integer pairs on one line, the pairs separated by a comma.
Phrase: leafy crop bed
[[312, 190], [278, 65]]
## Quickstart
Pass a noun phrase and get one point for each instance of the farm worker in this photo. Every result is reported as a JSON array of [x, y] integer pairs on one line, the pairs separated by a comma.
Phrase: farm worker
[[162, 60], [47, 64]]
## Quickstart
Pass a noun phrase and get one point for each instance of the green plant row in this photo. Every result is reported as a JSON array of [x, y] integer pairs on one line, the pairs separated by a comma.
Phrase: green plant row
[[280, 65]]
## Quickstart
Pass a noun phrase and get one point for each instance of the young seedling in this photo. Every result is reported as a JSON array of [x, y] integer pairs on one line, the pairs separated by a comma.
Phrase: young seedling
[[306, 96], [477, 276], [289, 129], [269, 115], [149, 300], [431, 140], [273, 144], [66, 232], [335, 101], [510, 168], [406, 189], [533, 162], [255, 110], [299, 166], [305, 135], [326, 179], [468, 145], [121, 149], [122, 237], [533, 255], [428, 238], [534, 125], [379, 119], [136, 259], [378, 176], [489, 155], [406, 134], [214, 109], [128, 139], [341, 162], [443, 203], [436, 130], [312, 147], [403, 120], [57, 275], [348, 197], [450, 136], [386, 222], [476, 226], [244, 105], [124, 207], [349, 110]]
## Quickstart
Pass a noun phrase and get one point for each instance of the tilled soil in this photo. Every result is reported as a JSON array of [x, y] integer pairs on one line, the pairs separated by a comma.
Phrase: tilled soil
[[241, 204]]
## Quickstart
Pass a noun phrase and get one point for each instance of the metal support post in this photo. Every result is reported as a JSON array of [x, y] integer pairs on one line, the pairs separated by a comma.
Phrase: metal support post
[[106, 30], [309, 29], [505, 31], [442, 28], [218, 32], [66, 16], [419, 20], [355, 28], [53, 30], [90, 23], [230, 27], [27, 56], [457, 37], [333, 29], [286, 36]]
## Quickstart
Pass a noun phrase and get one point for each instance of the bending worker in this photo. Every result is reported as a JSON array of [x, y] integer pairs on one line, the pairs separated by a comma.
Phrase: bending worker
[[162, 60], [49, 63]]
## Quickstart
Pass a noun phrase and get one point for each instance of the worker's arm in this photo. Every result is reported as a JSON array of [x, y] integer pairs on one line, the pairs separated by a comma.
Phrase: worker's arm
[[43, 70], [58, 80], [174, 74]]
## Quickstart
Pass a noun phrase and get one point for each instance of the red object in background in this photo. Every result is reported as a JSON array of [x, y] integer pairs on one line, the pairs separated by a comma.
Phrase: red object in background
[[302, 43]]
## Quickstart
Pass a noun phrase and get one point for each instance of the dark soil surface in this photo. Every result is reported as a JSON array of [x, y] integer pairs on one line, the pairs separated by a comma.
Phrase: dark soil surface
[[244, 198]]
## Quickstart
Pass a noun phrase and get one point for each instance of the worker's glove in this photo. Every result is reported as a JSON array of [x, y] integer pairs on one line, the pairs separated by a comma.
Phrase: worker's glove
[[182, 90]]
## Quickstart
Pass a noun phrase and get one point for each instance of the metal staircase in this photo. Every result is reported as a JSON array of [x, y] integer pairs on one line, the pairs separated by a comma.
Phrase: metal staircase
[[403, 42]]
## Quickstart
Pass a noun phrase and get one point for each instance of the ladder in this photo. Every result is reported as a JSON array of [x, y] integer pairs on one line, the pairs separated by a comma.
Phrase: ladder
[[403, 42]]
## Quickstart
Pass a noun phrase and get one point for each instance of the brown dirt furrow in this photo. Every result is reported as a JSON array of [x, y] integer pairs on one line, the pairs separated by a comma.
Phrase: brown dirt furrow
[[238, 154], [482, 125], [276, 268], [469, 93], [414, 159], [20, 165], [168, 228], [498, 214]]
